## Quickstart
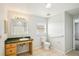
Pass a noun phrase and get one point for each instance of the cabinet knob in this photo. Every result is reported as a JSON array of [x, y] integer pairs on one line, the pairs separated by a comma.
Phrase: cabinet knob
[[10, 50]]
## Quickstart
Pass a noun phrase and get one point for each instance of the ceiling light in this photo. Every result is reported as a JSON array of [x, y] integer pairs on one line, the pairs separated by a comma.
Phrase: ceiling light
[[48, 5]]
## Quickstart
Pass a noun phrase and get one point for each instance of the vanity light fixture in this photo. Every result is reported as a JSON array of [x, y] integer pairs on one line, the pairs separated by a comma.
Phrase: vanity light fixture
[[19, 23]]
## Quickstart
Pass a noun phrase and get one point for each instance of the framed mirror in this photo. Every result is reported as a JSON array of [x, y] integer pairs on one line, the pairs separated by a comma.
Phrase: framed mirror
[[18, 27]]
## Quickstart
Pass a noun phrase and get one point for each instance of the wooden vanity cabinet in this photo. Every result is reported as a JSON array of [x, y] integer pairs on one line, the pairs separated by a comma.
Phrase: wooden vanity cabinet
[[11, 49]]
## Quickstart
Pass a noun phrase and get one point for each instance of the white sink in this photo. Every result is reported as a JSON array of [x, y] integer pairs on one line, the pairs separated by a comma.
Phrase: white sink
[[24, 39]]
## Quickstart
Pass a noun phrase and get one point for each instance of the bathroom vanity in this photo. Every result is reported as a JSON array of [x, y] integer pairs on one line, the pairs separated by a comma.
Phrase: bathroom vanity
[[18, 47], [17, 28]]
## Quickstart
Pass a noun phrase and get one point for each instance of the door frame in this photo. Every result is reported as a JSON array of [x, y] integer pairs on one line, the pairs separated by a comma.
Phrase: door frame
[[73, 34]]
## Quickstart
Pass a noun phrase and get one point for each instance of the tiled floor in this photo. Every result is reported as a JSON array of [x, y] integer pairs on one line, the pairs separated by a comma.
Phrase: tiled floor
[[43, 52], [73, 53]]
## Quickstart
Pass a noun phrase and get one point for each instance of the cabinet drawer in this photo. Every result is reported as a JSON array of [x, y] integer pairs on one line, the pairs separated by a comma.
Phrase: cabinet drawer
[[11, 51], [10, 46]]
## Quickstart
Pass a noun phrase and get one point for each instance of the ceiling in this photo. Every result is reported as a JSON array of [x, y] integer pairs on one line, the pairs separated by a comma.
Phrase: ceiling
[[39, 8]]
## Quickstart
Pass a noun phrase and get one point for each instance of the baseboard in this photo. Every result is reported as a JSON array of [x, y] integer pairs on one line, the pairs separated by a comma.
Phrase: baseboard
[[68, 51]]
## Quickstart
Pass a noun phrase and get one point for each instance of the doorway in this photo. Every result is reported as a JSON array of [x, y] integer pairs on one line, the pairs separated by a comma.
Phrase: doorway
[[76, 36]]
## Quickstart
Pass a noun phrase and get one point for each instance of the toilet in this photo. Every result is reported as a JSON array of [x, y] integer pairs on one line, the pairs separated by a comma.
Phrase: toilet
[[45, 44]]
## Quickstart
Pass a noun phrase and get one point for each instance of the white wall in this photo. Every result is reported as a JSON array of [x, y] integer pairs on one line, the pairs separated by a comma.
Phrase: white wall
[[56, 31], [68, 32], [32, 29], [32, 22], [2, 40], [60, 29]]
